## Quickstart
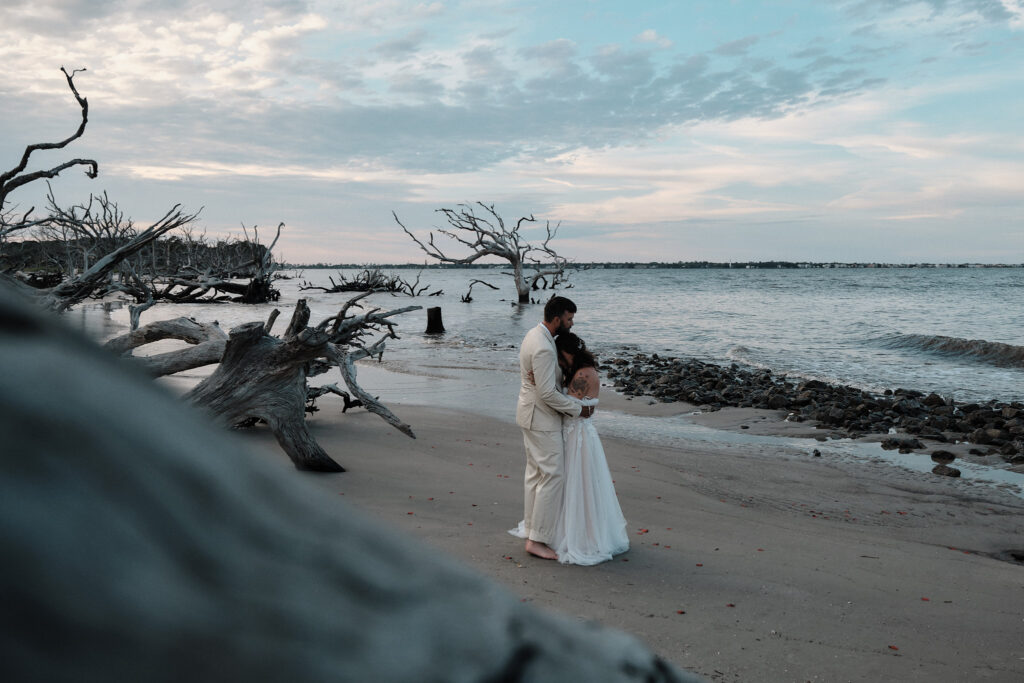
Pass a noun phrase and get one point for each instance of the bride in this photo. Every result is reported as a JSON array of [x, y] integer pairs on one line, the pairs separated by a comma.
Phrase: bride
[[591, 528]]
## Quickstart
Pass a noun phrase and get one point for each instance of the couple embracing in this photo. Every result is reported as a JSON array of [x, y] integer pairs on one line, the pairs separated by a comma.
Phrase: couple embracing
[[571, 513]]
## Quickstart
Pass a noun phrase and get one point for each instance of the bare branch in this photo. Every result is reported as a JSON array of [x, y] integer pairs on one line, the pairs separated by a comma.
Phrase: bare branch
[[12, 179], [346, 361]]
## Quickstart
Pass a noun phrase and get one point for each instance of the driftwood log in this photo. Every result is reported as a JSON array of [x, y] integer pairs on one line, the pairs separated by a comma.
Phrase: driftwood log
[[143, 544], [207, 339], [265, 378]]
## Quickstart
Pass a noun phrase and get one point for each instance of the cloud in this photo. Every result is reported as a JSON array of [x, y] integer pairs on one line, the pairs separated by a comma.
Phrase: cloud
[[342, 108], [736, 48], [651, 37]]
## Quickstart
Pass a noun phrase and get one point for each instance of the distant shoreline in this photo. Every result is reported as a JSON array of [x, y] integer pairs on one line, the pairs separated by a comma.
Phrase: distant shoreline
[[695, 265]]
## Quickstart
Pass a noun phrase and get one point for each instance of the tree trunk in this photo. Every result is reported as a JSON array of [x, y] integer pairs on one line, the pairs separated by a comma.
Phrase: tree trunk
[[522, 288], [264, 377]]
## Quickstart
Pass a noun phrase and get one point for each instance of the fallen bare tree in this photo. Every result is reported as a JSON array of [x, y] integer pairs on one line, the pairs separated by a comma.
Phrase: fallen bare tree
[[263, 377], [487, 235], [371, 279], [96, 280], [230, 271]]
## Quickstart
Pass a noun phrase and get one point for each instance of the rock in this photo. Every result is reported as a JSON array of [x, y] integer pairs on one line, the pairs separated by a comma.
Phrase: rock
[[997, 436], [933, 401], [979, 436], [943, 457], [946, 471], [901, 442]]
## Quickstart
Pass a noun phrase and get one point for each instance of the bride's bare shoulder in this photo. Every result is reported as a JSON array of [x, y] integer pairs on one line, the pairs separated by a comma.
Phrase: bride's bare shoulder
[[585, 383]]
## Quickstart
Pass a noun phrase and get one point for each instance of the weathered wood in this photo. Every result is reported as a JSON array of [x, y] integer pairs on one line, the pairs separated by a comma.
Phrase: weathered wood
[[346, 361], [264, 377], [184, 329], [143, 544]]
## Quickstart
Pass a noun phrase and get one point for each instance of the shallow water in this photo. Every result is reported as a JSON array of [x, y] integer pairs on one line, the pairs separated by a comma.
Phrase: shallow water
[[872, 328]]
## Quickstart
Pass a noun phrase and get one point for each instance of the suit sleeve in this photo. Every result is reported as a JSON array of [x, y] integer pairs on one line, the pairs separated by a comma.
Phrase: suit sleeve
[[544, 367]]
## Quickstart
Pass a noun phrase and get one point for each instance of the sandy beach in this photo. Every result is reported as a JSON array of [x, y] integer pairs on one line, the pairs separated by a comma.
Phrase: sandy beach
[[756, 565]]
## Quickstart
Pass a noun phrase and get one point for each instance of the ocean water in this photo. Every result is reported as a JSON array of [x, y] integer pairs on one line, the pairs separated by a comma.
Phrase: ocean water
[[955, 331]]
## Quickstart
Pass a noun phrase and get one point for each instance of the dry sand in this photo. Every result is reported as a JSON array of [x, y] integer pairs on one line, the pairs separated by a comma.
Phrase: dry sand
[[749, 564]]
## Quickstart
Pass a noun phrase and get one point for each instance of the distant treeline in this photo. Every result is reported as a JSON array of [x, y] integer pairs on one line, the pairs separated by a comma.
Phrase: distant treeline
[[653, 264], [235, 258]]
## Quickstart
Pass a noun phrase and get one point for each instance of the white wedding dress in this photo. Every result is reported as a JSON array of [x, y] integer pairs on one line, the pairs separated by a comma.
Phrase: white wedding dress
[[591, 528]]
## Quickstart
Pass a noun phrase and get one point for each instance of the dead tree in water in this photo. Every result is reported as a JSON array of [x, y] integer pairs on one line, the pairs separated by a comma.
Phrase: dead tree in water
[[263, 377], [468, 296], [371, 279], [487, 235]]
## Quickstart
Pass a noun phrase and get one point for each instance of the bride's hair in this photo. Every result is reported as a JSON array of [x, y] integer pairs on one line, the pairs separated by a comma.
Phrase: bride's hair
[[574, 346]]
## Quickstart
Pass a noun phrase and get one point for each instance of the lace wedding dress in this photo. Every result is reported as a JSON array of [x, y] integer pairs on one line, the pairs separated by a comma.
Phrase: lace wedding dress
[[591, 528]]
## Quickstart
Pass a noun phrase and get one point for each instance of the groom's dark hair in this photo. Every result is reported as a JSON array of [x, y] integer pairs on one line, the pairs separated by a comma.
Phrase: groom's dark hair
[[556, 306]]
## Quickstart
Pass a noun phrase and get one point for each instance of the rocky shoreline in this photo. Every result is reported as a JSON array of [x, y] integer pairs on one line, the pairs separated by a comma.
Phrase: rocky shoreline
[[905, 416]]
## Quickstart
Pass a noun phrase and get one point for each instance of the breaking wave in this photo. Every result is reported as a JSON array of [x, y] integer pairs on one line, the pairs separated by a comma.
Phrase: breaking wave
[[993, 353]]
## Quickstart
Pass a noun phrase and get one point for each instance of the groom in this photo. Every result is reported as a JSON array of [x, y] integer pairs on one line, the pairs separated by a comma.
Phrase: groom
[[539, 413]]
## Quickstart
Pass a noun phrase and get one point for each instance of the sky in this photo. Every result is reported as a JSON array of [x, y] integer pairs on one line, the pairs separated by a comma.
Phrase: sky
[[854, 130]]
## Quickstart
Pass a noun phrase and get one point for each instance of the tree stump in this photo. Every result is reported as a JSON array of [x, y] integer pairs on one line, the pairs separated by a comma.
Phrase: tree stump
[[434, 323]]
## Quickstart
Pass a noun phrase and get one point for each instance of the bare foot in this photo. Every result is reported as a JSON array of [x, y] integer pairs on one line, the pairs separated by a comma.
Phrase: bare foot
[[541, 550]]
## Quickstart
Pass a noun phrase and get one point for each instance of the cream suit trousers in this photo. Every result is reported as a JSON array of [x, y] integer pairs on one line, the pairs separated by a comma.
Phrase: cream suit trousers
[[543, 484]]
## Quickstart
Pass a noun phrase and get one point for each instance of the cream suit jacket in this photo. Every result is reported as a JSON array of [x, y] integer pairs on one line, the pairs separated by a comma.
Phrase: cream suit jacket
[[541, 405]]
